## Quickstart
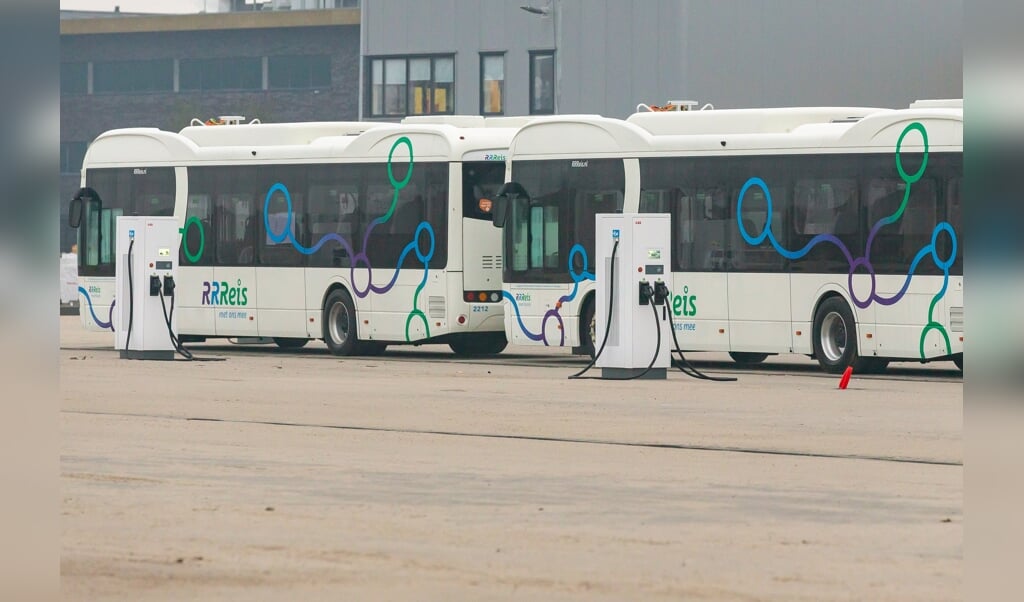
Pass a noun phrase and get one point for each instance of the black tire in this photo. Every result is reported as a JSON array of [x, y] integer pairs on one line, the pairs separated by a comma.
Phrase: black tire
[[958, 359], [339, 323], [588, 328], [834, 336], [287, 343], [489, 343], [747, 358]]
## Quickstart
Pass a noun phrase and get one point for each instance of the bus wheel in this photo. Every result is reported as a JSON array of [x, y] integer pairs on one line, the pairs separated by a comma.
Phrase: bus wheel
[[490, 343], [958, 359], [588, 328], [339, 319], [286, 343], [747, 358], [834, 336]]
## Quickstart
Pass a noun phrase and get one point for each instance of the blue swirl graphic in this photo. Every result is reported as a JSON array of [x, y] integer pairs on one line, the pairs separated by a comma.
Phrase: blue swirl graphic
[[577, 278], [109, 324]]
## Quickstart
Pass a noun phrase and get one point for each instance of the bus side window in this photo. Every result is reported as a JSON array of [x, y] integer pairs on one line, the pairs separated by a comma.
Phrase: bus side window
[[234, 230], [826, 206], [710, 240], [198, 239]]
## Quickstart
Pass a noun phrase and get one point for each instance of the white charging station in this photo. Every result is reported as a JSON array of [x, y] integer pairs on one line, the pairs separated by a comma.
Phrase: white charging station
[[642, 269], [141, 330]]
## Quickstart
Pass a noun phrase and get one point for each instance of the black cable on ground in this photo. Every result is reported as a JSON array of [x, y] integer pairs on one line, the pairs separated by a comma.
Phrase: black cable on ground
[[181, 349], [611, 304], [684, 366]]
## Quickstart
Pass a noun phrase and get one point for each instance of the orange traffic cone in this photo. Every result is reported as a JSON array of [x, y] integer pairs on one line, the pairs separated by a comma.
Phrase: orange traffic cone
[[845, 380]]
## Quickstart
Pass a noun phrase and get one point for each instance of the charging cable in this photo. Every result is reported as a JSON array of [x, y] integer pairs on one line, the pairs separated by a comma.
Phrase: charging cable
[[178, 346], [608, 326], [685, 366], [131, 296], [611, 302]]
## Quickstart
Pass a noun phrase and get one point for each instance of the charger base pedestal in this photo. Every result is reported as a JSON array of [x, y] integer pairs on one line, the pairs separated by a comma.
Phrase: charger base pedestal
[[624, 373]]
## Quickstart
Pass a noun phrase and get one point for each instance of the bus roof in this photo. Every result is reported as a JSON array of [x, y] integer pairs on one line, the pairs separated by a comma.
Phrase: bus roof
[[271, 134], [745, 121], [741, 130], [589, 135], [322, 141]]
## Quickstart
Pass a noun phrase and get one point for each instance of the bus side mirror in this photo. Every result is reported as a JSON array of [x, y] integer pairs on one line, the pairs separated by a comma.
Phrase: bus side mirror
[[75, 208], [508, 192], [499, 210], [75, 212]]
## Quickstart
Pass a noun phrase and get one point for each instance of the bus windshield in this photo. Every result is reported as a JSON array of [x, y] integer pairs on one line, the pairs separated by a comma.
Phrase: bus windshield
[[557, 213]]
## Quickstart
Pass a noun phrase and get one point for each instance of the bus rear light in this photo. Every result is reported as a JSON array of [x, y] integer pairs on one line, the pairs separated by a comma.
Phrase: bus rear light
[[799, 332], [721, 331], [482, 296], [461, 319], [869, 335]]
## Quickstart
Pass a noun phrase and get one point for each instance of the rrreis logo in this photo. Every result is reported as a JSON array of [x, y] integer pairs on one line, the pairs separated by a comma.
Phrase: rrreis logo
[[222, 293]]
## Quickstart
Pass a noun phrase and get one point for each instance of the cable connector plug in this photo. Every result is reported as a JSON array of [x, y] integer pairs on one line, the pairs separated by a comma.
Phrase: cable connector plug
[[660, 292], [646, 292]]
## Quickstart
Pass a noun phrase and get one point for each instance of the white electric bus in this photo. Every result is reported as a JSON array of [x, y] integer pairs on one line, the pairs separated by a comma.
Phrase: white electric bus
[[363, 235], [833, 232]]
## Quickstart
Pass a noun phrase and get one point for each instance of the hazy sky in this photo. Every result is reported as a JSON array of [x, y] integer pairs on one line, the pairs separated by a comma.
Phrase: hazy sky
[[137, 6]]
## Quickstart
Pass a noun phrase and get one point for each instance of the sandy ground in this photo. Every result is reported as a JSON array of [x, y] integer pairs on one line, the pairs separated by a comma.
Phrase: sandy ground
[[301, 476]]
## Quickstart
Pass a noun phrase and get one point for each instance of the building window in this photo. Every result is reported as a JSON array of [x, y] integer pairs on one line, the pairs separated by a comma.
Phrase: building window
[[401, 86], [74, 78], [299, 72], [492, 83], [244, 73], [542, 82], [71, 156], [133, 76]]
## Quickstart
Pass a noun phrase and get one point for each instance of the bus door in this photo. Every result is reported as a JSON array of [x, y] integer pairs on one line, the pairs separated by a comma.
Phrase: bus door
[[699, 284], [281, 242], [759, 280], [232, 292], [196, 259]]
